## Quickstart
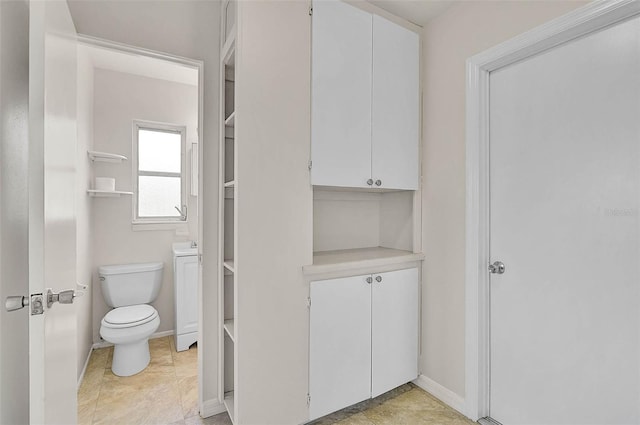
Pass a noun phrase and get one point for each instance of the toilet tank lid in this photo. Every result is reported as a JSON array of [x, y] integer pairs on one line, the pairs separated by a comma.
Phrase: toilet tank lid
[[128, 268]]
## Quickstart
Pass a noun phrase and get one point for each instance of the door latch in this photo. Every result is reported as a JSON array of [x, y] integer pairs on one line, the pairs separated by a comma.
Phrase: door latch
[[63, 297]]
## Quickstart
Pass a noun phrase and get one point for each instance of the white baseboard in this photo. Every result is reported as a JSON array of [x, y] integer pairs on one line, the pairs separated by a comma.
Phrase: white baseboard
[[443, 394], [103, 344], [212, 407], [84, 369]]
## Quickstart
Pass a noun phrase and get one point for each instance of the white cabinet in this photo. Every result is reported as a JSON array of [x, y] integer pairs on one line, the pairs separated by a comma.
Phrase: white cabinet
[[395, 110], [341, 95], [363, 338], [185, 282], [365, 100]]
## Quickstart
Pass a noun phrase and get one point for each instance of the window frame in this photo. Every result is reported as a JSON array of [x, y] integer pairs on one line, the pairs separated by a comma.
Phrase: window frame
[[167, 128]]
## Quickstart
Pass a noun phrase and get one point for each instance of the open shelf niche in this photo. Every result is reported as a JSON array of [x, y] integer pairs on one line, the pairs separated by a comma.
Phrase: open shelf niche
[[228, 290], [360, 228]]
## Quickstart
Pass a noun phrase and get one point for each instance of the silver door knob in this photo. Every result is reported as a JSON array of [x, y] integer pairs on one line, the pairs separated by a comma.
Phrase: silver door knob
[[378, 182], [498, 267], [369, 279], [370, 182], [378, 279], [16, 302], [63, 297]]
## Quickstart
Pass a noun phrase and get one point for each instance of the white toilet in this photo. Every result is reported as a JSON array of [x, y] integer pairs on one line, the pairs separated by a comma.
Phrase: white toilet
[[129, 288]]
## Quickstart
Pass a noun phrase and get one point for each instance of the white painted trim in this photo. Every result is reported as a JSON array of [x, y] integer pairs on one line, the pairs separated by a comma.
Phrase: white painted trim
[[84, 369], [590, 18], [103, 344], [212, 407], [443, 394]]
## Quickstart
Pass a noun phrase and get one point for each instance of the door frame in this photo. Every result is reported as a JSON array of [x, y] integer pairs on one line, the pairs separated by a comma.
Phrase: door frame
[[583, 21], [199, 65]]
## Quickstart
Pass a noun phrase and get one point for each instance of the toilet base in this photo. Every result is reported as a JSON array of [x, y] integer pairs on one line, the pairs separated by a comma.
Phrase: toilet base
[[129, 359]]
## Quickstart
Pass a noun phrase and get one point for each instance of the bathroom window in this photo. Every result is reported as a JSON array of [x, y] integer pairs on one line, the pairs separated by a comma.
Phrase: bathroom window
[[159, 173]]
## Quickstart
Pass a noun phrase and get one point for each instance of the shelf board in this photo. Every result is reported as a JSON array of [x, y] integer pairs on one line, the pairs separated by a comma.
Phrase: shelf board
[[231, 120], [229, 404], [96, 156], [230, 329], [226, 55], [107, 193], [350, 259], [230, 183], [230, 265]]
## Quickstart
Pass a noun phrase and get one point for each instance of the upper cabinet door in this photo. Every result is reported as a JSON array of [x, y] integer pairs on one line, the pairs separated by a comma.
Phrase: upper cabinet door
[[341, 95], [396, 106], [394, 324]]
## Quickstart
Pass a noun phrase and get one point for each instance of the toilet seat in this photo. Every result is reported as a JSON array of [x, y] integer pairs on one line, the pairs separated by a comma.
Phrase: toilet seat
[[129, 316]]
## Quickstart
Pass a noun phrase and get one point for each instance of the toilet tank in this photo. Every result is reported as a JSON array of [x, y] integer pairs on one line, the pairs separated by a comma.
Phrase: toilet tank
[[130, 284]]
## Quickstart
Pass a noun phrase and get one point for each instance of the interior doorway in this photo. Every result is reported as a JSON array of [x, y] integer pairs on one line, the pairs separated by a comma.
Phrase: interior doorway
[[139, 120]]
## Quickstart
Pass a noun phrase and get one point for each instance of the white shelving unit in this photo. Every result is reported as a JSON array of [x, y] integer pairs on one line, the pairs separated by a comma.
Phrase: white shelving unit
[[113, 158], [107, 193], [96, 156], [227, 225]]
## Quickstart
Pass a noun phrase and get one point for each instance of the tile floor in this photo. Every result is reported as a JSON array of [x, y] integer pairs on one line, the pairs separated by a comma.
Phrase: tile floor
[[405, 405], [166, 392]]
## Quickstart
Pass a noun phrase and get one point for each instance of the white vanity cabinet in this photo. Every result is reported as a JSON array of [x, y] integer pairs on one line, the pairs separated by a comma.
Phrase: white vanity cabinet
[[365, 100], [363, 338], [185, 283]]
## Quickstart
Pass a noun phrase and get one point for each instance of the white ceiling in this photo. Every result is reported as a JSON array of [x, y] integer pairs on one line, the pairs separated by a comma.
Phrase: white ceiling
[[417, 11], [144, 66]]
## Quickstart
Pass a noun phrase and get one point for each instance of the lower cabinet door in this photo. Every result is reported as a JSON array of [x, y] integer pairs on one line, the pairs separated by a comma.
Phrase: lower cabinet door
[[340, 344], [394, 324]]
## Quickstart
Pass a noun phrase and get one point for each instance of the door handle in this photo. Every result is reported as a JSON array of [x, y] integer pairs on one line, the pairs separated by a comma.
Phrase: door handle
[[497, 267], [16, 302], [63, 297]]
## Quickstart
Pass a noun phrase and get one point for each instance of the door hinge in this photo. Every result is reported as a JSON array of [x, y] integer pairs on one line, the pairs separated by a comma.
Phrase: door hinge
[[308, 302], [311, 10], [310, 164], [200, 259], [308, 399]]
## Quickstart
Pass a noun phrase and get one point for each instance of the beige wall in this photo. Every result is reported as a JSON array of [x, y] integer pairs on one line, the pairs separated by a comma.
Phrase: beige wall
[[465, 29], [118, 100], [84, 204]]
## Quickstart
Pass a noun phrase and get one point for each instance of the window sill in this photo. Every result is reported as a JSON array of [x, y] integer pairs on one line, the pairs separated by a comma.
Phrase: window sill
[[141, 226]]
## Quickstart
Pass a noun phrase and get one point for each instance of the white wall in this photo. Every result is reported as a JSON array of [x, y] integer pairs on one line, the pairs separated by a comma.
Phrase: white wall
[[84, 246], [465, 29], [14, 143], [189, 28], [119, 99]]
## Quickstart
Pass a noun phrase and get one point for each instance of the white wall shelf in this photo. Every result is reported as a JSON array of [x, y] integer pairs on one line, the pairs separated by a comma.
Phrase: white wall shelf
[[107, 193], [96, 156], [230, 329]]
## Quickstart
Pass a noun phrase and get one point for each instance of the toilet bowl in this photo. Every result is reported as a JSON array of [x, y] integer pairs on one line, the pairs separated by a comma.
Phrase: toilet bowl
[[129, 329], [128, 288]]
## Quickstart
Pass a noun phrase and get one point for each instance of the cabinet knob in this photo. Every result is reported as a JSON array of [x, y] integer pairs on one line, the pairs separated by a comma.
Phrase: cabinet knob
[[378, 279], [378, 182], [370, 182], [369, 279]]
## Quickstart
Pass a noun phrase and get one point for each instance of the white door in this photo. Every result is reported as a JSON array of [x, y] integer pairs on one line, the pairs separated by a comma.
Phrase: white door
[[565, 187], [52, 221], [394, 329], [396, 106], [340, 95], [340, 344]]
